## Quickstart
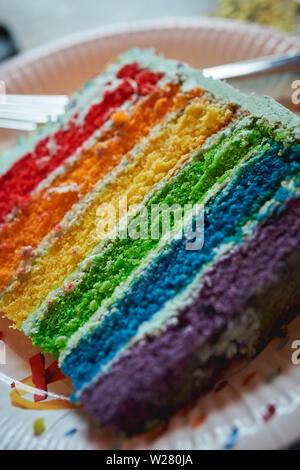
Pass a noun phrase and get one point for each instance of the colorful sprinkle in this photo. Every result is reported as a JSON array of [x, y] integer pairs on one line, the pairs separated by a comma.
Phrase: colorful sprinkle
[[232, 439], [71, 432], [269, 413], [68, 287], [248, 379], [199, 421], [39, 426]]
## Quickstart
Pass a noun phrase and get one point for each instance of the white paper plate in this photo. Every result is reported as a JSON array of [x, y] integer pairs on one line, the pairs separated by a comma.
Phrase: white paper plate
[[257, 403]]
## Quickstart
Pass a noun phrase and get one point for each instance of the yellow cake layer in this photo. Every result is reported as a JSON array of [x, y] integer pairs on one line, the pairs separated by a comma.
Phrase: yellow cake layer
[[163, 154], [47, 207]]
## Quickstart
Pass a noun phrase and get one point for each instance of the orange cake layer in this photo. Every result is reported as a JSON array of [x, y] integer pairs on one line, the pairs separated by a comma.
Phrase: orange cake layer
[[160, 157], [22, 236]]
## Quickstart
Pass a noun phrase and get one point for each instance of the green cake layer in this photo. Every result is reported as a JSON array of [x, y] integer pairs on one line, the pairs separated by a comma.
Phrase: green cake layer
[[160, 235]]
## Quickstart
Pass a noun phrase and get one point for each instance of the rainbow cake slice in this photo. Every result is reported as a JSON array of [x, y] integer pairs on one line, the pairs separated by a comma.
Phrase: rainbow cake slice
[[143, 315]]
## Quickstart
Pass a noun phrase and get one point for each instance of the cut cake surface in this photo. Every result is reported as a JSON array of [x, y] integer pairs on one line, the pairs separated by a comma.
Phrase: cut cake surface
[[143, 315]]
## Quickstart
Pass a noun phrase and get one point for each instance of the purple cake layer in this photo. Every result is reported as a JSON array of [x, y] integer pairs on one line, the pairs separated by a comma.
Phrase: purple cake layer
[[169, 370]]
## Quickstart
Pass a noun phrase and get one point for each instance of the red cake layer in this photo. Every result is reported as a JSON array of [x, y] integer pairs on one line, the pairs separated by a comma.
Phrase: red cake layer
[[24, 176]]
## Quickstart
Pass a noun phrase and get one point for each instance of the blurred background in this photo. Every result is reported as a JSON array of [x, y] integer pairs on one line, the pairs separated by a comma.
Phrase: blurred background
[[35, 22]]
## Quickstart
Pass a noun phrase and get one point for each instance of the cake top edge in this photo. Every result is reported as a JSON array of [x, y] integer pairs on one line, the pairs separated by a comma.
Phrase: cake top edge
[[265, 107]]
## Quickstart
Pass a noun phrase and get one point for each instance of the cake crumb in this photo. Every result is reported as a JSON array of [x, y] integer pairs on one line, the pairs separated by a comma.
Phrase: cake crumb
[[120, 117]]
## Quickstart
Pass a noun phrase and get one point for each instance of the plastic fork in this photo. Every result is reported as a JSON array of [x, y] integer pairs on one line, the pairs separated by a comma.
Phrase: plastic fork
[[25, 112]]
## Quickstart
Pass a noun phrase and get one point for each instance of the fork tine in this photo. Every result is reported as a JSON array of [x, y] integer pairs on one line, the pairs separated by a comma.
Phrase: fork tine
[[35, 106], [23, 112], [33, 116], [42, 104], [17, 125], [36, 99]]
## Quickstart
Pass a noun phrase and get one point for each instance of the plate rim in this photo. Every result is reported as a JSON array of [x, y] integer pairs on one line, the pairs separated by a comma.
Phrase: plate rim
[[116, 29]]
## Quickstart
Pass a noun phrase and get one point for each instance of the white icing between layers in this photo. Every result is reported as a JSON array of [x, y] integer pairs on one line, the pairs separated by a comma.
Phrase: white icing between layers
[[35, 317], [246, 330], [264, 107], [80, 102], [70, 161], [78, 209], [62, 169], [147, 59], [163, 244]]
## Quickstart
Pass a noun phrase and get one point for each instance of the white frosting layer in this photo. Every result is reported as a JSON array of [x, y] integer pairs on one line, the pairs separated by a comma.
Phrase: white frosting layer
[[89, 94], [34, 318], [265, 107], [80, 102], [246, 331], [163, 245]]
